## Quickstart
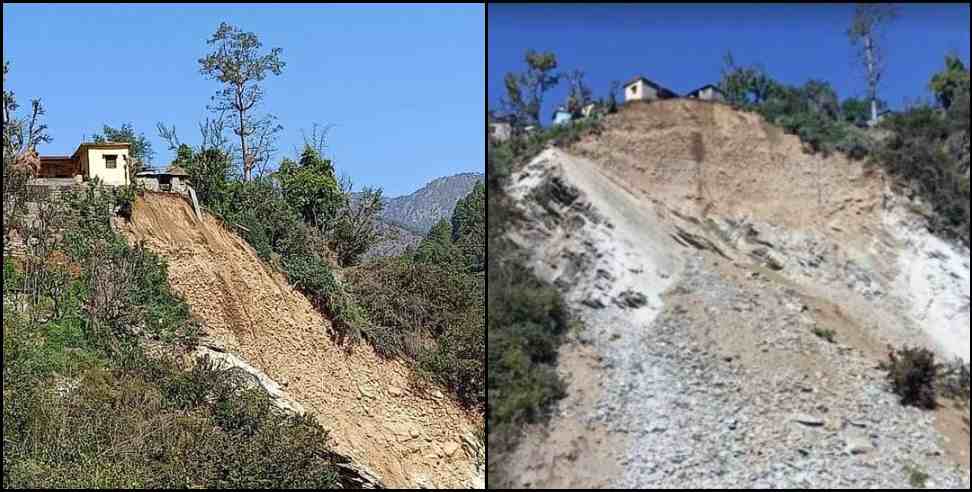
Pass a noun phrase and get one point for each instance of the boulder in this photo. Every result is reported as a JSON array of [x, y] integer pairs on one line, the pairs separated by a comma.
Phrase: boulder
[[808, 420]]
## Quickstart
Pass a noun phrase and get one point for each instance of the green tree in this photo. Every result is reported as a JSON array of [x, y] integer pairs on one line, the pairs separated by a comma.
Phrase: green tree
[[578, 95], [864, 34], [612, 101], [311, 188], [951, 81], [184, 155], [524, 92], [858, 111], [210, 172], [238, 64], [356, 228], [745, 85], [141, 151], [438, 248], [958, 112], [469, 227], [822, 99]]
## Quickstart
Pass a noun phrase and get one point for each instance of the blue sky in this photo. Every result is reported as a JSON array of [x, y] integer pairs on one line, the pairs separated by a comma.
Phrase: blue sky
[[682, 46], [403, 84]]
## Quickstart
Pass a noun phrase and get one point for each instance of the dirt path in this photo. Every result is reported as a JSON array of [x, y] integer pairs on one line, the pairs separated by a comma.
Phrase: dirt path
[[407, 437], [577, 450]]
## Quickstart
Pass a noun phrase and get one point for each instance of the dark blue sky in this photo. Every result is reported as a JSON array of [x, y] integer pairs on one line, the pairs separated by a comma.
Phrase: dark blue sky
[[403, 83], [682, 46]]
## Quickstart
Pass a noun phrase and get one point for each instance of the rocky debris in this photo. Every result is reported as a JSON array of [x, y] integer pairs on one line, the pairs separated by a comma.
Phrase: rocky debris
[[858, 443], [265, 322], [631, 300], [248, 377], [808, 420], [728, 387], [768, 257], [688, 239], [354, 476], [697, 421], [594, 303]]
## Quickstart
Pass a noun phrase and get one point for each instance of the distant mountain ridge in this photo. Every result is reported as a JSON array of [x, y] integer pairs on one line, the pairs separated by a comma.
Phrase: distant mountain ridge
[[413, 215], [420, 211]]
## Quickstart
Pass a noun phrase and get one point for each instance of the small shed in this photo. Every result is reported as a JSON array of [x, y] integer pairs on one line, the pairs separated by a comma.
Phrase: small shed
[[642, 89], [501, 128], [173, 179], [562, 116], [707, 92]]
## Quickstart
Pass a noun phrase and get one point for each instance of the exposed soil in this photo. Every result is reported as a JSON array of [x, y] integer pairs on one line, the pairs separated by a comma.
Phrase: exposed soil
[[571, 453], [774, 280], [406, 436]]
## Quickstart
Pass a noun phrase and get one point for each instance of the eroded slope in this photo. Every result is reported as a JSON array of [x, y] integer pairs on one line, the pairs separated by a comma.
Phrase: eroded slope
[[727, 379], [406, 437]]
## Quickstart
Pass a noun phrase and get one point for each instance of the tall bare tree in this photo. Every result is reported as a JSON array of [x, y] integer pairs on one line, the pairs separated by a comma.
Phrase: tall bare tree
[[239, 65], [22, 135], [864, 34]]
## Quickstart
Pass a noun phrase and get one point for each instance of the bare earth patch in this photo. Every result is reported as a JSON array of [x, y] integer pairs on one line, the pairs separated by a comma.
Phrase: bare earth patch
[[407, 436]]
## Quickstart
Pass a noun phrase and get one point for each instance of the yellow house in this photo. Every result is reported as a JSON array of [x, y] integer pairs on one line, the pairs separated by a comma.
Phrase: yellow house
[[108, 161]]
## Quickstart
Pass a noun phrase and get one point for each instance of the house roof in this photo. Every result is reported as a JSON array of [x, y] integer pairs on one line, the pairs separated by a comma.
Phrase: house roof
[[102, 145], [657, 87], [704, 87], [172, 170], [176, 171]]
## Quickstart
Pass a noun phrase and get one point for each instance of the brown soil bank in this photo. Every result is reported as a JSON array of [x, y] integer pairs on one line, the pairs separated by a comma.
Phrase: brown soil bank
[[732, 163], [406, 437]]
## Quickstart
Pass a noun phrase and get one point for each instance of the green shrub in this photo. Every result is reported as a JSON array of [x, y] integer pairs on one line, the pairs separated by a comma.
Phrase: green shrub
[[312, 275], [120, 429], [428, 313], [526, 318], [356, 227], [11, 278], [917, 478], [913, 375], [854, 144], [917, 156], [278, 235], [85, 407], [311, 188], [825, 333], [953, 380], [124, 199]]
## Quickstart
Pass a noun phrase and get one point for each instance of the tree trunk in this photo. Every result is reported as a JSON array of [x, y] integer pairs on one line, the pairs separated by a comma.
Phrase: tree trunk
[[872, 77], [243, 153]]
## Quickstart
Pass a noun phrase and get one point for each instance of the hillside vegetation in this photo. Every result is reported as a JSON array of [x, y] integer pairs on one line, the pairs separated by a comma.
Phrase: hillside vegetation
[[101, 387], [90, 396]]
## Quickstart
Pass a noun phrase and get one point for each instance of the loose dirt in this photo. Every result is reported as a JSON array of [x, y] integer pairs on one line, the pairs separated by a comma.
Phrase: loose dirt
[[407, 437]]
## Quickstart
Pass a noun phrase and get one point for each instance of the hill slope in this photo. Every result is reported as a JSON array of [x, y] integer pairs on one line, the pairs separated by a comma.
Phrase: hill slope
[[707, 254], [406, 437], [409, 218], [419, 211]]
